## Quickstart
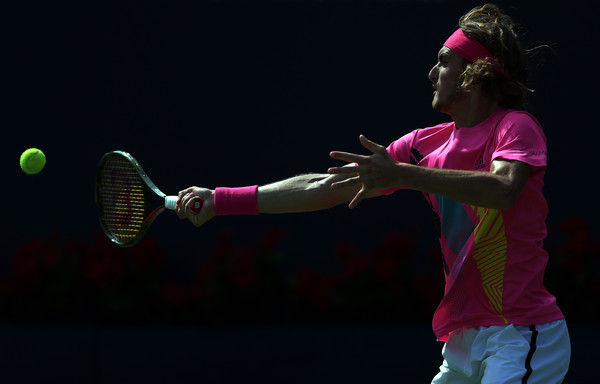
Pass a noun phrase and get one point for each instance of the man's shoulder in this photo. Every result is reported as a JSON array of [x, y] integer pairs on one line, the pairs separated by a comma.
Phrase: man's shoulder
[[436, 130], [442, 126], [518, 119]]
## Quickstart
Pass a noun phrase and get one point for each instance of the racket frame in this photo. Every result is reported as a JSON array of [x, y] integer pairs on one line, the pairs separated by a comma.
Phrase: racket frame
[[148, 219]]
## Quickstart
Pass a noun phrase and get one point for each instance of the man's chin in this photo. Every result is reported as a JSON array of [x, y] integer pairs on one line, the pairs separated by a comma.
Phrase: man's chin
[[438, 107], [437, 104], [443, 106]]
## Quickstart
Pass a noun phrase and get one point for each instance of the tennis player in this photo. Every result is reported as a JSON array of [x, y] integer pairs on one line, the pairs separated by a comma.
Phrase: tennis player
[[482, 173]]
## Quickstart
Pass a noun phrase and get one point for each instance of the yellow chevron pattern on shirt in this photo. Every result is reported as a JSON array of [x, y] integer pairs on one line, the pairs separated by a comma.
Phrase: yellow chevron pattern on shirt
[[489, 253]]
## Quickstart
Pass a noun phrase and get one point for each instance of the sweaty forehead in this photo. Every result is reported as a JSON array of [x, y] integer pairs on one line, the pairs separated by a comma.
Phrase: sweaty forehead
[[447, 52]]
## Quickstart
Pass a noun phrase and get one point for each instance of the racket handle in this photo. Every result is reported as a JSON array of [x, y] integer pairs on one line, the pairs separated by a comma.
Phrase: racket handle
[[171, 201]]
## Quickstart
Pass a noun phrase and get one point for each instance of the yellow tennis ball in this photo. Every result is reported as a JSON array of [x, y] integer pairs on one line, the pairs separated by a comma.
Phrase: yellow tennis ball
[[33, 161]]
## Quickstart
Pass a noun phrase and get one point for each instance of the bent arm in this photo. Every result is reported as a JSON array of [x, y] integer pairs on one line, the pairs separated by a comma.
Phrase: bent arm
[[497, 189]]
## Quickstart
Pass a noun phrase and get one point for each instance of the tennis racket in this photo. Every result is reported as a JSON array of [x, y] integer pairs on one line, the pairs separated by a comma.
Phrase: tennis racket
[[125, 198]]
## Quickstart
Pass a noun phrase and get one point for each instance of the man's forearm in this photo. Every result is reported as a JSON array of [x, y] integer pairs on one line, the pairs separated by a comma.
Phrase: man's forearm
[[495, 189], [302, 193]]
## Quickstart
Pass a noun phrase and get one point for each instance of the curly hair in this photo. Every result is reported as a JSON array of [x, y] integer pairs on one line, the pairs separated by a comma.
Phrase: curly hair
[[494, 30]]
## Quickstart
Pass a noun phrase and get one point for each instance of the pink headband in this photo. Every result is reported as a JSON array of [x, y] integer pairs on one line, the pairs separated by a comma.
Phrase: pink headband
[[471, 50]]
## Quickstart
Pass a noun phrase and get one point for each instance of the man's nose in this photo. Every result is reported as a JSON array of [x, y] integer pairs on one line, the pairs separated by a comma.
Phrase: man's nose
[[433, 74]]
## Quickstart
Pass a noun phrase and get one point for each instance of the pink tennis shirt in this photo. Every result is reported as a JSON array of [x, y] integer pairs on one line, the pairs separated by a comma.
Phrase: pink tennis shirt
[[494, 260]]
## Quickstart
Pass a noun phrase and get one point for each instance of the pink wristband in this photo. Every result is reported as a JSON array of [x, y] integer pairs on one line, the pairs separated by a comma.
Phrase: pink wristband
[[236, 201]]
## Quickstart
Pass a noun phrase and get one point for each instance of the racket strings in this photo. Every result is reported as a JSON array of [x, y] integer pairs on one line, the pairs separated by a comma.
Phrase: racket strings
[[123, 197]]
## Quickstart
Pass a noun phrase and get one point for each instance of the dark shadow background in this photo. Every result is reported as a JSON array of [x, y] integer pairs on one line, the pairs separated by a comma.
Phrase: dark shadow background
[[232, 93]]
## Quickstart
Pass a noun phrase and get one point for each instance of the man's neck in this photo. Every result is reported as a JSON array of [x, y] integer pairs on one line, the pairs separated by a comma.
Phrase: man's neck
[[473, 110]]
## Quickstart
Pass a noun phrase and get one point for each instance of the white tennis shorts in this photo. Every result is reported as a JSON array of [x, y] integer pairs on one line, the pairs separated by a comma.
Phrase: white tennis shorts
[[507, 354]]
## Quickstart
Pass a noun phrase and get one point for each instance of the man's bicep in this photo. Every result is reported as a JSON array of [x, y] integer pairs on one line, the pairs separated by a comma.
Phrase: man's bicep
[[515, 172]]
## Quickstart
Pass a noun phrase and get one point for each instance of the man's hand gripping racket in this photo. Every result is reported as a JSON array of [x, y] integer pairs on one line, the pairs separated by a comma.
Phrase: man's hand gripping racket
[[125, 199], [188, 199]]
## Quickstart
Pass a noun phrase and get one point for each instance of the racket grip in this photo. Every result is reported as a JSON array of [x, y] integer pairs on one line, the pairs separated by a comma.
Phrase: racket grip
[[171, 201]]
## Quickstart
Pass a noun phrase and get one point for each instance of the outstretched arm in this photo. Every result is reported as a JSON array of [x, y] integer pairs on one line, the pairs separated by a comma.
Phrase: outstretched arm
[[302, 193]]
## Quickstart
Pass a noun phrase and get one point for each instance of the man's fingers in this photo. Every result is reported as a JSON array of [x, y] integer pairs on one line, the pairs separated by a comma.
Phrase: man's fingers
[[370, 145], [185, 192], [343, 170], [359, 196], [355, 158], [346, 183], [183, 202], [346, 156], [361, 168]]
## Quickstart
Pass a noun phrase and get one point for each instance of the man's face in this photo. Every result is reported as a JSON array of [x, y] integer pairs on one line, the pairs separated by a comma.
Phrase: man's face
[[444, 76]]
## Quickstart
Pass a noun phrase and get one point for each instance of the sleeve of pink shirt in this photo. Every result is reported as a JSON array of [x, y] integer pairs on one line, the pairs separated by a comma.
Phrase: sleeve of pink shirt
[[520, 137]]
